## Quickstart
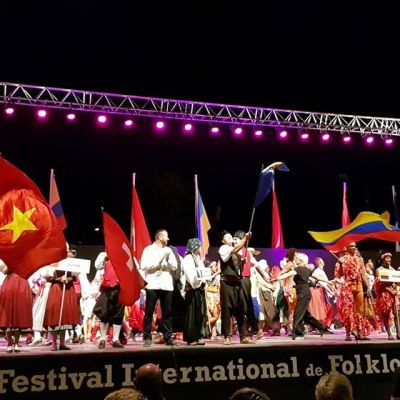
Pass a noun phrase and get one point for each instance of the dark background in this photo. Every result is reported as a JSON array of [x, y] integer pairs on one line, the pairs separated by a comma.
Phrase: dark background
[[337, 58]]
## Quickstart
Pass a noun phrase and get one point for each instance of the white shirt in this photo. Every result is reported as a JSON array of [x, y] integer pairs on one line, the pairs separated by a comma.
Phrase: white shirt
[[225, 252], [157, 264], [192, 274]]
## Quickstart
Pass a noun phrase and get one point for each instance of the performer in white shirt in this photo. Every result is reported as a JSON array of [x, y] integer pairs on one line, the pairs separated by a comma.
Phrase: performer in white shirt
[[157, 262]]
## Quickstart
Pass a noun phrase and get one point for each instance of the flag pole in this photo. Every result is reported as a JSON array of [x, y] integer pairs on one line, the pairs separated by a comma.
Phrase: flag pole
[[254, 205], [196, 200], [133, 244], [51, 181]]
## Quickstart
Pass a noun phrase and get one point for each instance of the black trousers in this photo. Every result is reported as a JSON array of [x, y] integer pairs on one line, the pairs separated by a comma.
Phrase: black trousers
[[108, 308], [232, 306], [165, 298], [302, 315]]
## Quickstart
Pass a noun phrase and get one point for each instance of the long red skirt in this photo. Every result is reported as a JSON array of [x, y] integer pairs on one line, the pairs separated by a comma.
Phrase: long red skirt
[[15, 303], [70, 315]]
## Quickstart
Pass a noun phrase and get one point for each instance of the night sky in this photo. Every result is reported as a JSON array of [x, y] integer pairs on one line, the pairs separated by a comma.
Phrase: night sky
[[329, 58]]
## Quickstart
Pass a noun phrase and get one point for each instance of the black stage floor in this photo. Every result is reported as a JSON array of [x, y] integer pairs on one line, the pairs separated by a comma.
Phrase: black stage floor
[[281, 367]]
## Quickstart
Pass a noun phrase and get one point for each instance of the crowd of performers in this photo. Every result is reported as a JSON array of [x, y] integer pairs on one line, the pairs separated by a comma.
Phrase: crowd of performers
[[236, 294]]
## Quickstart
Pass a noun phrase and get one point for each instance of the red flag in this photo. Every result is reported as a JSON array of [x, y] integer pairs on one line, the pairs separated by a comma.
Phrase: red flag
[[29, 233], [120, 254], [140, 237], [55, 202], [345, 212], [277, 233]]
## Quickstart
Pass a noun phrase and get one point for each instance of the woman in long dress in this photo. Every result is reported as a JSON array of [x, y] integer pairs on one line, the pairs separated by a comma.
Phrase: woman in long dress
[[15, 307]]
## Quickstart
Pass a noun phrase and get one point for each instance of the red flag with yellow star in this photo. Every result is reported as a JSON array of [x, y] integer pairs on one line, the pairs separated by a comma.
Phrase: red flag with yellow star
[[30, 236]]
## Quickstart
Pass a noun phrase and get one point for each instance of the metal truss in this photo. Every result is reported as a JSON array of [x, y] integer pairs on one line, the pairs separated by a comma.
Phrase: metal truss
[[83, 100]]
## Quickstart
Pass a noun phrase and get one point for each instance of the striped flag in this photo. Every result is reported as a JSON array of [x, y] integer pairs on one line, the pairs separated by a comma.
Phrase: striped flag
[[396, 214], [55, 202], [202, 222], [345, 212], [277, 233]]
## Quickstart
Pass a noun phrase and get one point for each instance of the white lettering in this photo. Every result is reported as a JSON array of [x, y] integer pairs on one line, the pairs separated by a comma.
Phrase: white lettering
[[20, 384], [252, 371], [169, 375], [128, 374], [4, 380], [199, 378]]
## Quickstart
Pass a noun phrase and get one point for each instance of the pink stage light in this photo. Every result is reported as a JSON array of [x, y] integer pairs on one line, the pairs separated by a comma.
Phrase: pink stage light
[[215, 130], [160, 124], [369, 140], [42, 113], [128, 123], [101, 119], [325, 137], [9, 111], [305, 136], [71, 117], [238, 131], [258, 133], [188, 127], [389, 141], [283, 134], [347, 139]]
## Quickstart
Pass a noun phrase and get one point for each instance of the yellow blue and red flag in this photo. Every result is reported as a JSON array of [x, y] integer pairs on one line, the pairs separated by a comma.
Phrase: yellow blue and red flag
[[202, 222], [55, 202], [366, 225]]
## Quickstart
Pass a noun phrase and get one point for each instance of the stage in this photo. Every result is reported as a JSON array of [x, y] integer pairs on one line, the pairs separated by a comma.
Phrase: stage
[[283, 368]]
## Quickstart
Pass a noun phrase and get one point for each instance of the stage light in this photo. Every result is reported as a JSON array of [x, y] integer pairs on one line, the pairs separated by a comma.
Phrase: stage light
[[188, 127], [101, 119], [160, 124], [42, 113], [128, 123], [304, 136], [325, 137], [389, 141], [71, 117], [258, 133], [283, 135], [369, 140], [9, 110], [238, 131], [215, 130], [346, 139]]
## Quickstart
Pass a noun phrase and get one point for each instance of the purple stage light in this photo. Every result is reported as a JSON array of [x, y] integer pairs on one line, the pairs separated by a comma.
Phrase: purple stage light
[[258, 133], [9, 111], [238, 131], [305, 136], [128, 123], [389, 141], [188, 127], [283, 134], [369, 140], [102, 119], [215, 130], [42, 113], [71, 117], [325, 137], [160, 124], [347, 139]]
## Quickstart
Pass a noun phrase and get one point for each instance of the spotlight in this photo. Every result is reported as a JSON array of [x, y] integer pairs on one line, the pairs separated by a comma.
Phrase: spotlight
[[369, 140], [304, 136], [42, 113], [9, 110], [71, 117], [215, 130], [325, 137], [160, 124], [389, 141], [102, 119], [188, 127], [128, 123], [346, 139], [283, 135], [238, 131], [258, 133]]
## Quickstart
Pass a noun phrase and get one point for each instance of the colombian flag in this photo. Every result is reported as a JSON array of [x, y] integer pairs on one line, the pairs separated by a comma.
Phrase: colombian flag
[[366, 225], [55, 202], [202, 222]]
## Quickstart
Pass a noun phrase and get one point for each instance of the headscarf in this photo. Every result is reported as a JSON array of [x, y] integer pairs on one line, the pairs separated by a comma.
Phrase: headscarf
[[192, 245]]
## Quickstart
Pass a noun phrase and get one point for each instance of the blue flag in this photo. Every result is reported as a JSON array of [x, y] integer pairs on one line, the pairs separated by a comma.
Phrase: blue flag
[[264, 185]]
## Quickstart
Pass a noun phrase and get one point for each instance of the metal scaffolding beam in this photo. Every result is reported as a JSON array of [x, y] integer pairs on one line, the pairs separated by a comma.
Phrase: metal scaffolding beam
[[84, 100]]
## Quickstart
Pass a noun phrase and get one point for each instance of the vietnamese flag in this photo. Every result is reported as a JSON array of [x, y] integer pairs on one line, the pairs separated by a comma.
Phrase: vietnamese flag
[[119, 252], [30, 236]]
